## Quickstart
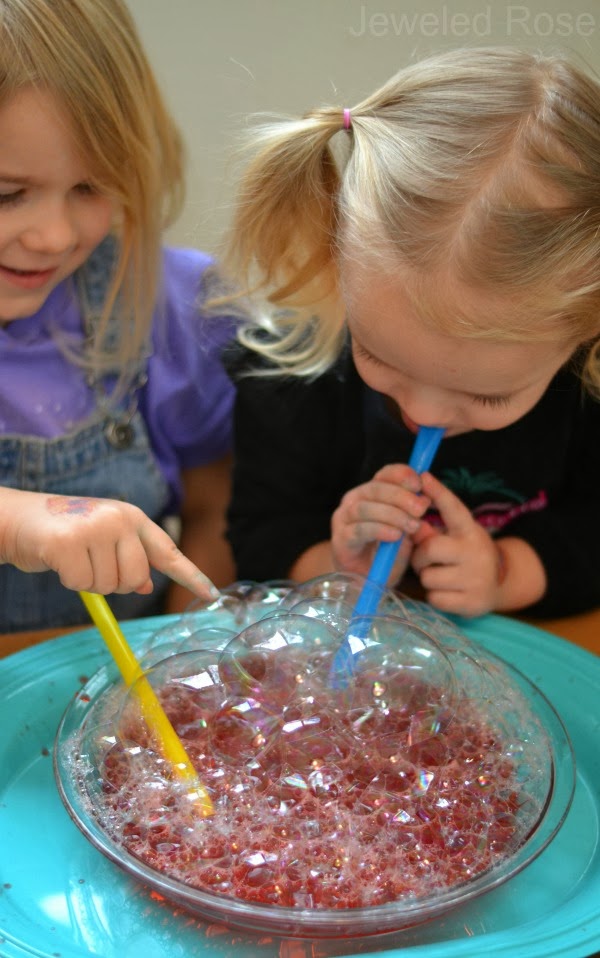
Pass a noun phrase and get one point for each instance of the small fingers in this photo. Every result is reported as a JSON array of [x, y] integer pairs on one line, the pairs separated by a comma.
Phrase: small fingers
[[133, 567], [164, 555], [77, 573], [436, 551], [377, 529], [185, 573], [445, 578], [449, 601], [457, 518], [105, 566], [113, 550], [400, 475], [382, 504]]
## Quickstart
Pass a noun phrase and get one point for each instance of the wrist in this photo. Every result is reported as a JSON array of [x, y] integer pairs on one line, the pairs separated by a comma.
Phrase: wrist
[[501, 565], [314, 561], [520, 576], [9, 509]]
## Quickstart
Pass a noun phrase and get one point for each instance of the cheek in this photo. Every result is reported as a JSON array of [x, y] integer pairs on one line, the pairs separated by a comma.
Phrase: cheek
[[99, 219], [377, 377], [365, 371], [488, 419]]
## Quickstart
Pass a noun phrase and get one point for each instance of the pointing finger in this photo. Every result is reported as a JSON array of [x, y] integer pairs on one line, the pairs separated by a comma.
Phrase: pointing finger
[[164, 555], [455, 515]]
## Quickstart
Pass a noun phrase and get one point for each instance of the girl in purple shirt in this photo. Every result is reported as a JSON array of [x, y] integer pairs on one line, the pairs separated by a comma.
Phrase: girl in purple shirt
[[114, 408]]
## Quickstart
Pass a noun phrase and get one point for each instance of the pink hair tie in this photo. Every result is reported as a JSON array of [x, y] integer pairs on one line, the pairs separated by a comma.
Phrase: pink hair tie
[[347, 119]]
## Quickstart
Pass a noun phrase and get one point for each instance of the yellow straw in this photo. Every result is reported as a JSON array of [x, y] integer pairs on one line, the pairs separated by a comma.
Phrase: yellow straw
[[154, 714]]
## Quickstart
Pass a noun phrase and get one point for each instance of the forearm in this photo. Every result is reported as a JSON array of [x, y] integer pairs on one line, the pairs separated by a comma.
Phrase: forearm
[[314, 561], [522, 578]]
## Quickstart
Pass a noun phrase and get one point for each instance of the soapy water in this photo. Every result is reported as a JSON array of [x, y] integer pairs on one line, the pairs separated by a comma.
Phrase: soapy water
[[429, 770]]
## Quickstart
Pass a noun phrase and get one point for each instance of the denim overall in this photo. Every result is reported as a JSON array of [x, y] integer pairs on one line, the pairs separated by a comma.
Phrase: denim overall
[[108, 457]]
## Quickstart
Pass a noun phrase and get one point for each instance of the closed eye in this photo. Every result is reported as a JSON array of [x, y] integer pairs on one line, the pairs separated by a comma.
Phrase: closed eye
[[86, 189], [364, 354], [8, 199], [493, 401]]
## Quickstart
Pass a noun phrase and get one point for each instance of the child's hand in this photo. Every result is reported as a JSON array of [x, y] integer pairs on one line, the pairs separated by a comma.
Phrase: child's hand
[[95, 545], [381, 510], [460, 568]]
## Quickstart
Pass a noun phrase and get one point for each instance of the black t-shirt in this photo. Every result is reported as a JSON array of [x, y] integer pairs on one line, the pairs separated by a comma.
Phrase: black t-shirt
[[300, 445]]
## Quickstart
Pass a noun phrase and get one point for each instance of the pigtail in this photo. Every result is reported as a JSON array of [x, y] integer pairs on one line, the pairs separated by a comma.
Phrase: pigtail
[[283, 242]]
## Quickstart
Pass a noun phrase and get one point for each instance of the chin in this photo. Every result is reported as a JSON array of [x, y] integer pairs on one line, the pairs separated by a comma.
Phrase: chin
[[28, 306], [457, 431]]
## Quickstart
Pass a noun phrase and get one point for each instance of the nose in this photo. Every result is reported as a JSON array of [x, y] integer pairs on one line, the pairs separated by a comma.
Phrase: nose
[[424, 406], [53, 229]]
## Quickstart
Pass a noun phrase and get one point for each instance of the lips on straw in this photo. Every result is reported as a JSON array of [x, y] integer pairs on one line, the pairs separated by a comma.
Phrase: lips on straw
[[156, 718], [342, 667]]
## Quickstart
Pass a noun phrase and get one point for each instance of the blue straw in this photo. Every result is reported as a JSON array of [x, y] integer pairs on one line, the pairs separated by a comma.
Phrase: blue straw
[[342, 667]]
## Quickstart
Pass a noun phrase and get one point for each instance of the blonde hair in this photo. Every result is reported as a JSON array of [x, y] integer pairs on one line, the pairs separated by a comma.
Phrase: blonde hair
[[479, 163], [88, 54]]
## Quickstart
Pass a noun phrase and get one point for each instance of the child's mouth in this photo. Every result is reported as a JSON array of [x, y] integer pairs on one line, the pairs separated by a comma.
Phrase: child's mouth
[[27, 278], [409, 423]]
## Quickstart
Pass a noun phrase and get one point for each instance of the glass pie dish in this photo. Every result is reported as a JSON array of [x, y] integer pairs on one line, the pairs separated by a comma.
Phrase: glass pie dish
[[432, 774]]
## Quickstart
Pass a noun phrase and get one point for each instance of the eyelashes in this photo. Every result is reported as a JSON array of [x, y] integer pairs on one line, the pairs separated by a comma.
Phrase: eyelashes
[[15, 197], [362, 352], [86, 189], [493, 402], [10, 199]]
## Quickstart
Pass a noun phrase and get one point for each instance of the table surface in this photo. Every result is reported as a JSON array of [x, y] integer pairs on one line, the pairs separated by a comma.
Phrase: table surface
[[582, 630]]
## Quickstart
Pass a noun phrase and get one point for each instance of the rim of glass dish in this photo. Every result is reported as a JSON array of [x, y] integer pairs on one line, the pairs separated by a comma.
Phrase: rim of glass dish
[[330, 922]]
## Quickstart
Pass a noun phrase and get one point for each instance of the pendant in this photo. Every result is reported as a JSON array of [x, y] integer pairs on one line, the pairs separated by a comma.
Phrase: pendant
[[119, 434]]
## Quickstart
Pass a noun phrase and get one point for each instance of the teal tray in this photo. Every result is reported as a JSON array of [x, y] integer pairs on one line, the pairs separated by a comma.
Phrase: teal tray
[[60, 898]]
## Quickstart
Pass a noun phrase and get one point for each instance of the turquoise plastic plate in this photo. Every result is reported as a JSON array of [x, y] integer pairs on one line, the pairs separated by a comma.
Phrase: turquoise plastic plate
[[60, 898]]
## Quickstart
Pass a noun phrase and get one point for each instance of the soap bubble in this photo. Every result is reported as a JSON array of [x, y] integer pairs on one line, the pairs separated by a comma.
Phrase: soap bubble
[[238, 605], [312, 738], [189, 689], [434, 623], [264, 660], [335, 612], [209, 637], [344, 588], [163, 643], [410, 663], [243, 729], [97, 742]]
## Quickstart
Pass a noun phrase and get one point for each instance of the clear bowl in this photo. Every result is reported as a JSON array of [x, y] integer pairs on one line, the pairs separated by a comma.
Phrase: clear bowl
[[534, 735]]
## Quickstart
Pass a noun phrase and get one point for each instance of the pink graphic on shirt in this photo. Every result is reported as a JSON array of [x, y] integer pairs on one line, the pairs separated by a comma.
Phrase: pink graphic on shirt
[[494, 516], [71, 505]]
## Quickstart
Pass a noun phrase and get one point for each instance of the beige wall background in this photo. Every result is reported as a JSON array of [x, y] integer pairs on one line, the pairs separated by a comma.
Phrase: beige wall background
[[220, 61]]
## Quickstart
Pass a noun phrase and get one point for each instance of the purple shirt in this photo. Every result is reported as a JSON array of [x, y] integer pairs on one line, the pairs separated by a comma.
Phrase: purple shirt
[[186, 402]]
